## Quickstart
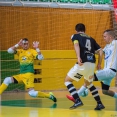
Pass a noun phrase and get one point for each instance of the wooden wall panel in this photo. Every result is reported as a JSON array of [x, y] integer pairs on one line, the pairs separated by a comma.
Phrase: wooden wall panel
[[52, 27]]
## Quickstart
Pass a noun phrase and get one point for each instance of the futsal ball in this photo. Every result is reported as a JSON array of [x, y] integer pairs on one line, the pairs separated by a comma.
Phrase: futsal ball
[[85, 93]]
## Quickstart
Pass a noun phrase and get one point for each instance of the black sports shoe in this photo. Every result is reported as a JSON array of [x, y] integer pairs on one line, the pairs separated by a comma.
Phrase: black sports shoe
[[78, 103], [99, 107], [52, 97]]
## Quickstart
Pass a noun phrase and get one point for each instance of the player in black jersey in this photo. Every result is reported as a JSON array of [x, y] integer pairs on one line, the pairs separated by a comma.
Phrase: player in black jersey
[[85, 48]]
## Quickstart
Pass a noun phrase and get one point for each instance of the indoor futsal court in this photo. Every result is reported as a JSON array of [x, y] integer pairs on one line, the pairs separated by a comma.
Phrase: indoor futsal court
[[51, 23], [24, 106]]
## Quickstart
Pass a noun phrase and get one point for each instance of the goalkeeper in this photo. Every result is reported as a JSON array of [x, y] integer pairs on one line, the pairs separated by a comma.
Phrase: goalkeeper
[[26, 59]]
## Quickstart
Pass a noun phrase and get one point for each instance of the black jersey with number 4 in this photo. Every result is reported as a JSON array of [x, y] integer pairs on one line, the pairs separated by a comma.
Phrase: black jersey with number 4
[[88, 46]]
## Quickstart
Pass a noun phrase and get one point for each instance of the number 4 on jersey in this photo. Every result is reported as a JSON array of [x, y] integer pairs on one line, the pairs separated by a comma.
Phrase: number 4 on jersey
[[88, 44]]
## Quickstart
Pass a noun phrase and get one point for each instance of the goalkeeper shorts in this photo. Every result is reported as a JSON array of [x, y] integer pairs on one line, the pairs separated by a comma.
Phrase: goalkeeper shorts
[[27, 79]]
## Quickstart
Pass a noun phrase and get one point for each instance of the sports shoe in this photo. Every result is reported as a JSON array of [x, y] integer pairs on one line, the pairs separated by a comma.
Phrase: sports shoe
[[70, 98], [99, 107], [52, 97], [78, 103]]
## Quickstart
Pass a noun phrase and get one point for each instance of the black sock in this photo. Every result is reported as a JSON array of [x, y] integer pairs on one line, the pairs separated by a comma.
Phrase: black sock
[[95, 94], [73, 91]]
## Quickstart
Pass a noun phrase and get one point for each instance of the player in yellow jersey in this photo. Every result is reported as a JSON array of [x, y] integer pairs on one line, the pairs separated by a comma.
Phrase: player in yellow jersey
[[26, 59]]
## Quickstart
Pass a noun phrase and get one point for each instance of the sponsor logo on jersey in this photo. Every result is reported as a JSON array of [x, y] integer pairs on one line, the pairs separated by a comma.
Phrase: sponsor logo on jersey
[[89, 57], [107, 54], [24, 58]]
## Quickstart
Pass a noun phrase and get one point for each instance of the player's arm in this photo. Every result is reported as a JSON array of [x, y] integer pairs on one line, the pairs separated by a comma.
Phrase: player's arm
[[77, 50], [13, 49], [36, 46], [99, 52], [100, 57]]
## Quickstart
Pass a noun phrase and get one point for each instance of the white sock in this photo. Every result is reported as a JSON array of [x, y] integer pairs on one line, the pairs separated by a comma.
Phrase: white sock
[[67, 83], [81, 90], [115, 95]]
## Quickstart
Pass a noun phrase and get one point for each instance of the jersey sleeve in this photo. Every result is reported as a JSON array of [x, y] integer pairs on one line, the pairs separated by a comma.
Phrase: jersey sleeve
[[74, 39], [34, 52], [97, 47]]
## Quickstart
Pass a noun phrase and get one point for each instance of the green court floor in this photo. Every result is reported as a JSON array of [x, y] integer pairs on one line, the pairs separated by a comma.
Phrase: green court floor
[[22, 105]]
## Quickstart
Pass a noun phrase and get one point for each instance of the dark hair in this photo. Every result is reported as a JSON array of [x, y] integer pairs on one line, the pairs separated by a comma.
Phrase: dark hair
[[110, 32], [25, 39], [80, 27]]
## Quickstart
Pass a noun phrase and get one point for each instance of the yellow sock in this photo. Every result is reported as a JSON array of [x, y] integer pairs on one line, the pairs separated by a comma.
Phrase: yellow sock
[[43, 95], [2, 88]]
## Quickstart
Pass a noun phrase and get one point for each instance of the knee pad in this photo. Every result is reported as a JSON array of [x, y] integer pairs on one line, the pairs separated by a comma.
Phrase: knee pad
[[7, 81], [33, 93]]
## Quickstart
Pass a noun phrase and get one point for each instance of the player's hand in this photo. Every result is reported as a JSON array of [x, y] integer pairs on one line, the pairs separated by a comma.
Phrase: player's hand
[[80, 61], [35, 44], [20, 43]]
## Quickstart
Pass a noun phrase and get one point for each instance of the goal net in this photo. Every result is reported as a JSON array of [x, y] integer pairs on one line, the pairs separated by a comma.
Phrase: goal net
[[53, 28]]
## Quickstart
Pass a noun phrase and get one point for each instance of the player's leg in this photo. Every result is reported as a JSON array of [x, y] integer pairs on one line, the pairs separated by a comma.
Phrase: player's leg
[[88, 80], [106, 76], [73, 92], [106, 91], [5, 84], [96, 96], [77, 76], [73, 75], [9, 80], [83, 90], [28, 80], [92, 88], [40, 94]]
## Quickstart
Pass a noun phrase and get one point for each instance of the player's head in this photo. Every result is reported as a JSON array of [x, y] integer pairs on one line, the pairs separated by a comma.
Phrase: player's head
[[25, 43], [80, 27], [108, 35]]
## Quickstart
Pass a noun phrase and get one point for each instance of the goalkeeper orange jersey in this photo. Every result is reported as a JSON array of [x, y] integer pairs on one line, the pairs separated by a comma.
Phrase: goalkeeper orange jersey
[[26, 59]]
